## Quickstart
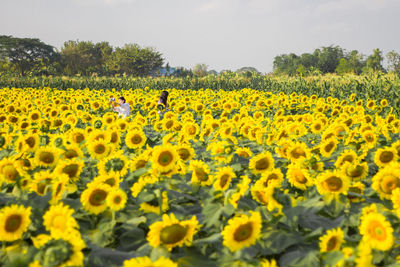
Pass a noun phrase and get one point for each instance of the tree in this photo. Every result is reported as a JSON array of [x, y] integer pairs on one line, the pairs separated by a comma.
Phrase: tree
[[200, 70], [393, 59], [328, 58], [286, 64], [131, 59], [26, 54], [355, 60], [85, 57], [374, 61], [344, 67]]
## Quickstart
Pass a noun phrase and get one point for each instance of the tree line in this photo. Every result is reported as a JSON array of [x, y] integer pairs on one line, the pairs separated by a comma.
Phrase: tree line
[[30, 56], [334, 59]]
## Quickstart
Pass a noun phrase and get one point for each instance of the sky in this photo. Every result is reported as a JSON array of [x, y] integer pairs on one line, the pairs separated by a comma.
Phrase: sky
[[223, 34]]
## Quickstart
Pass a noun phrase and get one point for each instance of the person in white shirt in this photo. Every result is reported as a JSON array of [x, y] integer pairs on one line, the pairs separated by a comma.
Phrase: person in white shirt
[[123, 109]]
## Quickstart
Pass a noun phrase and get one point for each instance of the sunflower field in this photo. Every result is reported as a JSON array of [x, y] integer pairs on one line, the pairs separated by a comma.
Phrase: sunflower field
[[224, 178]]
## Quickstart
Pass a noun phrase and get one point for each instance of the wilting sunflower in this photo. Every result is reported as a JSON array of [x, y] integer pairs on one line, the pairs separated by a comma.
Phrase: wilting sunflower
[[200, 172], [242, 231], [386, 180], [135, 139], [58, 220], [147, 262], [261, 163], [42, 182], [223, 178], [94, 197], [116, 199], [98, 149], [332, 184], [14, 221], [58, 187], [171, 232], [114, 164], [298, 176], [384, 156], [376, 231], [164, 158], [241, 189], [357, 188], [47, 156], [331, 241]]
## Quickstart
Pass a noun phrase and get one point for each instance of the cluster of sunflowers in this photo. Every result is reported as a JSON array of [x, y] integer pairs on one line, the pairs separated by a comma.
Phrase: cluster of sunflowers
[[238, 178]]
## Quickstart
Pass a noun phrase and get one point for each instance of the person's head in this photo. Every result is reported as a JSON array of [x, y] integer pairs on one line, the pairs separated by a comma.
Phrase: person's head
[[121, 100], [163, 97]]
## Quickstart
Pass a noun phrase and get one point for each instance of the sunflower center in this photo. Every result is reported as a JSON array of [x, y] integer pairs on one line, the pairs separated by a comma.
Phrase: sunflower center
[[272, 176], [79, 138], [243, 232], [110, 181], [97, 197], [297, 153], [173, 233], [347, 158], [71, 170], [165, 158], [117, 200], [69, 154], [377, 231], [328, 148], [201, 174], [136, 139], [223, 180], [140, 164], [99, 149], [46, 157], [331, 243], [300, 178], [262, 164], [13, 223], [386, 156], [183, 153], [30, 141], [334, 184]]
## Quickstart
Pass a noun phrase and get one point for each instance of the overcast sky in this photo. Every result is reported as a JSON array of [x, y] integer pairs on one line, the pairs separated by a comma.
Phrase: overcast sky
[[224, 34]]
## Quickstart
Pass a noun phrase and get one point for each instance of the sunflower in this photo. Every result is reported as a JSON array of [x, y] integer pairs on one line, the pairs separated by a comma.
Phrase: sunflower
[[58, 187], [384, 156], [370, 138], [10, 171], [185, 152], [346, 156], [396, 201], [154, 207], [164, 158], [244, 152], [72, 151], [98, 149], [135, 139], [116, 199], [190, 130], [58, 220], [112, 180], [242, 231], [386, 180], [268, 263], [263, 162], [77, 136], [223, 178], [47, 156], [94, 197], [272, 175], [332, 184], [200, 172], [30, 142], [376, 231], [298, 151], [171, 232], [298, 176], [71, 167], [41, 183], [14, 221], [327, 147], [241, 189], [355, 171], [331, 241], [147, 262]]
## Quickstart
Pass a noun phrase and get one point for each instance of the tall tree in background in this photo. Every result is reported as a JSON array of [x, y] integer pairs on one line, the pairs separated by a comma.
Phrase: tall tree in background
[[85, 57], [26, 54], [393, 59], [328, 58], [134, 60], [374, 61], [200, 70]]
